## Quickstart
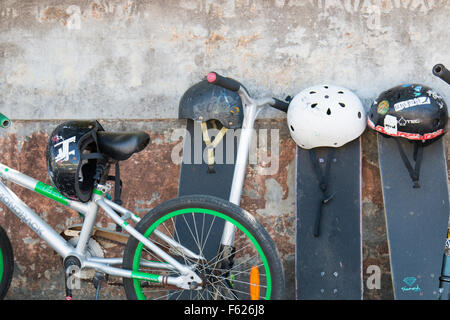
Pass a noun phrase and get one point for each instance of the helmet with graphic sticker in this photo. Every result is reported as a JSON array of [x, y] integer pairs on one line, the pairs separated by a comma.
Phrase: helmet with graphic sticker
[[325, 116], [70, 157], [413, 111]]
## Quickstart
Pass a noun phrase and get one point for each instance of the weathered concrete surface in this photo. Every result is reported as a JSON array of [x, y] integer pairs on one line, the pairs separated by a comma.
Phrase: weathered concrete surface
[[123, 59]]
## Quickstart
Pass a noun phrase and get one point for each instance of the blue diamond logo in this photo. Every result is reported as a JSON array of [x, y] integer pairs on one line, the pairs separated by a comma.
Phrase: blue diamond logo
[[410, 280]]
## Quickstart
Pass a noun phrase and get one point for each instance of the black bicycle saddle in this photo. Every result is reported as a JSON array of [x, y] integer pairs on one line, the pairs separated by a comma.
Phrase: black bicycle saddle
[[121, 145]]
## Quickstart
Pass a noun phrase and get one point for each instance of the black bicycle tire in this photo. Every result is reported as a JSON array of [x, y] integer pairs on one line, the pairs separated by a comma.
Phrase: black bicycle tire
[[7, 263], [225, 207]]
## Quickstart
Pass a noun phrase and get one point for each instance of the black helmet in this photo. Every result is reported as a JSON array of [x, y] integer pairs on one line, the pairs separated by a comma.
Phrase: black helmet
[[414, 112], [70, 170], [209, 104], [205, 101]]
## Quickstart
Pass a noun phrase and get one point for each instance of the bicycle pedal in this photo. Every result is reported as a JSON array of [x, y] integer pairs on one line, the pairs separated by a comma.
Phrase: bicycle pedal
[[71, 265]]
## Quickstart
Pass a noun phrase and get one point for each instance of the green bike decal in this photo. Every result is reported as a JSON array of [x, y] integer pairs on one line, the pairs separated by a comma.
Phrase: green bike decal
[[50, 192], [140, 246], [144, 276]]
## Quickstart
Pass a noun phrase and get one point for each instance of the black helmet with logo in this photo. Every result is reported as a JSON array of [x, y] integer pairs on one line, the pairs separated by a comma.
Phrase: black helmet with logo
[[414, 112], [70, 168]]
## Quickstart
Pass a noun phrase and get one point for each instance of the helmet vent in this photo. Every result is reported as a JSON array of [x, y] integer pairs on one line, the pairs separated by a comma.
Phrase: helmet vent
[[328, 111], [292, 128], [359, 115], [341, 92], [326, 87], [312, 92], [342, 104], [313, 105]]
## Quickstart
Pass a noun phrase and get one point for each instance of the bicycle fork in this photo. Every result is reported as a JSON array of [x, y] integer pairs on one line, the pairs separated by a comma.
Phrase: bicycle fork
[[226, 250], [250, 113]]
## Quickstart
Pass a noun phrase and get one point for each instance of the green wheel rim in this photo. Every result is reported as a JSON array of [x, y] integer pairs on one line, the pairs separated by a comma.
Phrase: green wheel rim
[[140, 246]]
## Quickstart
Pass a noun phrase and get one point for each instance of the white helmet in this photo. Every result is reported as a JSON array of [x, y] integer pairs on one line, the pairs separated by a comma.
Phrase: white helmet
[[325, 116]]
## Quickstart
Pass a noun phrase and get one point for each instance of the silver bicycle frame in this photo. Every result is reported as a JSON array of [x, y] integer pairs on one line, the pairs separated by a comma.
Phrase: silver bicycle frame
[[251, 107], [90, 210]]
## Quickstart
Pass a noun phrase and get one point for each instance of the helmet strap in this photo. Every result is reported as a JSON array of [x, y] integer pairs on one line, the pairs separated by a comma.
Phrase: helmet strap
[[414, 173], [210, 145], [323, 178], [117, 190], [117, 185], [93, 155]]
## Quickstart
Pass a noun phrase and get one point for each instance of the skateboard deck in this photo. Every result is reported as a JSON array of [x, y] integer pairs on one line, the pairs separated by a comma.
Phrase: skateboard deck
[[329, 266], [196, 179], [416, 218]]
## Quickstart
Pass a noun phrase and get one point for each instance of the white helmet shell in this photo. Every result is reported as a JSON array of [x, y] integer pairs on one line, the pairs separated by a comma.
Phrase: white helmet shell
[[325, 116]]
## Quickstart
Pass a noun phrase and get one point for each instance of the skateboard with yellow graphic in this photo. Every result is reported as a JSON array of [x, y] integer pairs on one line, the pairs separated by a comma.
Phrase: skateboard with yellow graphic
[[209, 150]]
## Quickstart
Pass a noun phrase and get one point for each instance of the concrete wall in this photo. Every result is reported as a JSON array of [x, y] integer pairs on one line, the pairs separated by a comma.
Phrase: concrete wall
[[132, 60]]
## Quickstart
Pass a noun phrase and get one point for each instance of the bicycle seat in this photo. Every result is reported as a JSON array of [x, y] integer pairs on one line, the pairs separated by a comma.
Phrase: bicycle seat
[[121, 145]]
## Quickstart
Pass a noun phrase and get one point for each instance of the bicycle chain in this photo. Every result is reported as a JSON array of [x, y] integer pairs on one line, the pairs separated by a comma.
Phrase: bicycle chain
[[111, 283]]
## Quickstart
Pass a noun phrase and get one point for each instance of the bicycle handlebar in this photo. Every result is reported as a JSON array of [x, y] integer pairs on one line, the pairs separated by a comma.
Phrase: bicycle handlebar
[[441, 71], [280, 105], [224, 82], [233, 85], [4, 121]]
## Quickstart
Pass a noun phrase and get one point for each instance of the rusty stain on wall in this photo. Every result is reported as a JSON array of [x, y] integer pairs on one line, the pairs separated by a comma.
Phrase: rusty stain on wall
[[243, 41], [55, 14], [97, 10], [213, 41], [375, 245]]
